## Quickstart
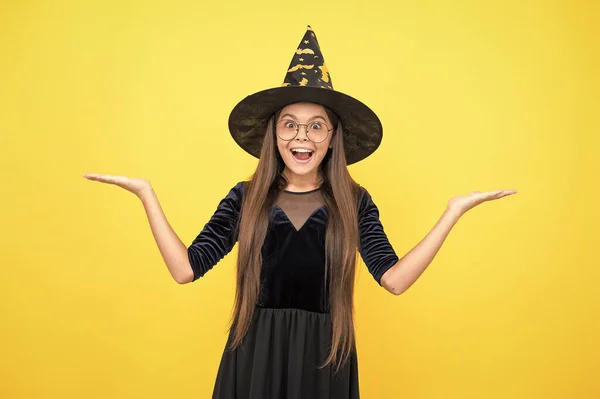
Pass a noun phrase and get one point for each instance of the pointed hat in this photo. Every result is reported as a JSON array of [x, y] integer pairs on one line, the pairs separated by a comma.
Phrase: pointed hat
[[307, 80]]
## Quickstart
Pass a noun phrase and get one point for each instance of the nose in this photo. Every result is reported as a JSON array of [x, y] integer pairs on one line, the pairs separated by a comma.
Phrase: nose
[[302, 133]]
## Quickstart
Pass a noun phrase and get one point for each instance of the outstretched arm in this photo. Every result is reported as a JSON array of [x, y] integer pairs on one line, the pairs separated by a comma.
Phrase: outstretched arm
[[217, 238], [172, 249], [409, 268]]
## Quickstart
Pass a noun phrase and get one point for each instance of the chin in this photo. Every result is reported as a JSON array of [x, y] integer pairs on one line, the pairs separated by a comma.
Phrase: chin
[[301, 169]]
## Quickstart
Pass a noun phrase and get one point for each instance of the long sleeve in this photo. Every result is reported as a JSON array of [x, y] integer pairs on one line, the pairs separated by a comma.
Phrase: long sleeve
[[219, 235], [374, 246]]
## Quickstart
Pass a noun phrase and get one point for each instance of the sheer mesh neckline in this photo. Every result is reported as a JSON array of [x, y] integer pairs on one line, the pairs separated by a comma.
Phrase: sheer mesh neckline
[[302, 192], [299, 206]]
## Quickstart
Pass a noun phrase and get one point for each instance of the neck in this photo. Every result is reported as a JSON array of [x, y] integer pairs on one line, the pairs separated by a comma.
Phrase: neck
[[302, 182]]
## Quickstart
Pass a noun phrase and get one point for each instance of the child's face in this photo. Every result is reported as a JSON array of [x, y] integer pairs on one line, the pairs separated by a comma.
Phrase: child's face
[[301, 155]]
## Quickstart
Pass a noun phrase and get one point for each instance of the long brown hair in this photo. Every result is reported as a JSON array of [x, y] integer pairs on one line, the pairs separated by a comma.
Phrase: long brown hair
[[341, 240]]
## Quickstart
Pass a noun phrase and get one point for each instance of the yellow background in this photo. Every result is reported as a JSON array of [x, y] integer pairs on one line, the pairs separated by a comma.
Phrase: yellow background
[[472, 95]]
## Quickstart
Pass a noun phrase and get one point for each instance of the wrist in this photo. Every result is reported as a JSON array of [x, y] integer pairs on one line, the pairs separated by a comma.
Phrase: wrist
[[145, 193], [452, 213]]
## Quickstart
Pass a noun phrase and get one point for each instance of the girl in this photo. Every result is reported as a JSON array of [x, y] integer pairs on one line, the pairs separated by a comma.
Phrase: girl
[[299, 222]]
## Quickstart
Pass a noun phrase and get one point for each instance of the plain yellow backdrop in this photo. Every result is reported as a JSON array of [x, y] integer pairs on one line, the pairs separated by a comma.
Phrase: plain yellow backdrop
[[472, 95]]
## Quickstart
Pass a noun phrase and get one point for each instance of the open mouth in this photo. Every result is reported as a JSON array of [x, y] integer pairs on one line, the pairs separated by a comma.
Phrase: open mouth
[[302, 154]]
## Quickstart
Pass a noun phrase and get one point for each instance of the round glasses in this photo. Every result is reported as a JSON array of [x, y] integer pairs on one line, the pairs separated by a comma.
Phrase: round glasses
[[316, 131]]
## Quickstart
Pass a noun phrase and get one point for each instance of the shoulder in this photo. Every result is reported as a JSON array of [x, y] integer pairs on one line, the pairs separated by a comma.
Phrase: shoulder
[[364, 200], [362, 192], [238, 190], [235, 195]]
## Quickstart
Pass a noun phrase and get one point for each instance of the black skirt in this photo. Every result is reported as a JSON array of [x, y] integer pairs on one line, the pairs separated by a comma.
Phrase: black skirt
[[280, 358]]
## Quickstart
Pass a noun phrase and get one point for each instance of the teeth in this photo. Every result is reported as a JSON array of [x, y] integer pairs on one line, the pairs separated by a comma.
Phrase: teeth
[[300, 150]]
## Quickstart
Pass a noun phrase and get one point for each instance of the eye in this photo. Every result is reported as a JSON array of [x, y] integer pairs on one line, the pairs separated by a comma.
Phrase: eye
[[315, 126], [289, 124]]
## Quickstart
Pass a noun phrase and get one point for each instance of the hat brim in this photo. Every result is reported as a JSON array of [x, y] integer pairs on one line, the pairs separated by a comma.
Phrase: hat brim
[[362, 128]]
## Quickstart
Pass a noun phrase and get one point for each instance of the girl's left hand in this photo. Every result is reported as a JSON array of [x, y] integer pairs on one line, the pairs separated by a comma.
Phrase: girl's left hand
[[462, 203]]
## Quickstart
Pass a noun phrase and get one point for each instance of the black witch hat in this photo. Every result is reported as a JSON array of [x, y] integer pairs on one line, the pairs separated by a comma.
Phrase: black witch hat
[[307, 80]]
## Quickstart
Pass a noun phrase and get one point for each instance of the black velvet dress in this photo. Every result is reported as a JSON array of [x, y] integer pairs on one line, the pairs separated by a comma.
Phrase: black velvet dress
[[290, 334]]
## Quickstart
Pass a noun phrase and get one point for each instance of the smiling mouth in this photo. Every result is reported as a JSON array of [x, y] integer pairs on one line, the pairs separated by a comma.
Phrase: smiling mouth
[[302, 154]]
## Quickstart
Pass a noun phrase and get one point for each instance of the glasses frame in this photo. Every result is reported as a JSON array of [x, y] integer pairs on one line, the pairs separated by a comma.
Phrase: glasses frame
[[305, 130]]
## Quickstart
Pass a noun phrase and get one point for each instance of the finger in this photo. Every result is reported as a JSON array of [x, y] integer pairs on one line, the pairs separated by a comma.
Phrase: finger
[[101, 178], [92, 176], [508, 192], [499, 193], [487, 196]]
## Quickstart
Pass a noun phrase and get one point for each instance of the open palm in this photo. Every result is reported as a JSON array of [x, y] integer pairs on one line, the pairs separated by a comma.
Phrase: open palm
[[135, 185], [462, 203]]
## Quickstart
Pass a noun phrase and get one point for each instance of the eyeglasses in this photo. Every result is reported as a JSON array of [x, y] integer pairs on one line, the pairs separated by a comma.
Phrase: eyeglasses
[[316, 131]]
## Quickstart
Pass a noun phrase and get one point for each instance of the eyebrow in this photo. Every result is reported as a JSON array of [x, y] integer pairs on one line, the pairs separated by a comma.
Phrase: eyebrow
[[292, 116]]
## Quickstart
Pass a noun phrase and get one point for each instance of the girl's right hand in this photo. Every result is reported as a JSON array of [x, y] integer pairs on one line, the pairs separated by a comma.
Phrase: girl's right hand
[[131, 184]]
